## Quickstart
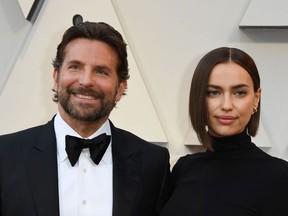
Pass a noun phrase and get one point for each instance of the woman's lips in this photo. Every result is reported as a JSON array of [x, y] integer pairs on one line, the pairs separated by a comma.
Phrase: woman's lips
[[226, 120]]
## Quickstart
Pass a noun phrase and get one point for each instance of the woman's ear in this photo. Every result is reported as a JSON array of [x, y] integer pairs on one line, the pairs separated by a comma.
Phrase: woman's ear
[[257, 97]]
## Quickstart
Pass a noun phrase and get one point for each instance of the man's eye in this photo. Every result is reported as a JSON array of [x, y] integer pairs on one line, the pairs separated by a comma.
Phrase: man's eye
[[101, 72], [74, 67]]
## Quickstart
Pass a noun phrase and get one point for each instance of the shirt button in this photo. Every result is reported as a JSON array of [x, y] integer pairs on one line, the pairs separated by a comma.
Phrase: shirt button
[[84, 202], [84, 170]]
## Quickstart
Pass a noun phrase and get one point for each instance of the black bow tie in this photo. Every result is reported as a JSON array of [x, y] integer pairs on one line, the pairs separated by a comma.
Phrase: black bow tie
[[97, 147]]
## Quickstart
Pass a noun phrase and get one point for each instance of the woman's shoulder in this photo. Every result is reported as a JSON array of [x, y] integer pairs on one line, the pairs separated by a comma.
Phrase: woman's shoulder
[[189, 161], [272, 162], [194, 156], [278, 165]]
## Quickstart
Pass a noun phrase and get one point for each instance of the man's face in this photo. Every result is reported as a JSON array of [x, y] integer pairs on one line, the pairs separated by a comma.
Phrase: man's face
[[87, 82]]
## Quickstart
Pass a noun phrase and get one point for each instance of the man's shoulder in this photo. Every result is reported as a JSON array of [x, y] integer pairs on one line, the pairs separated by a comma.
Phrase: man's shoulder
[[133, 140], [23, 134]]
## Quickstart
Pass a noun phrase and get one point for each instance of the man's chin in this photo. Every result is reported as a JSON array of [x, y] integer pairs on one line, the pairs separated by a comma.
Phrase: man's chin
[[85, 118]]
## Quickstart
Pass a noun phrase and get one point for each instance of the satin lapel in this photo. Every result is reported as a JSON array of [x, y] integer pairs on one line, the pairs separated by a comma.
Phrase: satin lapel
[[41, 164], [126, 174]]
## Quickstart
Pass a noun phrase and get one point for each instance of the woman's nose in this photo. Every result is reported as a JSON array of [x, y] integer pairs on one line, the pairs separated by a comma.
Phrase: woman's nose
[[227, 103]]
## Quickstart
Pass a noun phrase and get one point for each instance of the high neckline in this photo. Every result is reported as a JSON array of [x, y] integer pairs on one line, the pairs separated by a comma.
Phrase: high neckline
[[239, 141]]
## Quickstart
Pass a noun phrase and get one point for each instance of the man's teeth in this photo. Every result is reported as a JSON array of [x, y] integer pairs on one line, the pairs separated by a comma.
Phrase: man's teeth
[[85, 96]]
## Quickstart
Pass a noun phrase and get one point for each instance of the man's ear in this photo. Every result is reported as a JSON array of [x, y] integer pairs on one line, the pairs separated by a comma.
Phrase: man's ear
[[55, 78], [121, 89]]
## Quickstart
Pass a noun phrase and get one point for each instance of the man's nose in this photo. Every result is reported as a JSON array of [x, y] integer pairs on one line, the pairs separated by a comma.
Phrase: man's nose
[[86, 79]]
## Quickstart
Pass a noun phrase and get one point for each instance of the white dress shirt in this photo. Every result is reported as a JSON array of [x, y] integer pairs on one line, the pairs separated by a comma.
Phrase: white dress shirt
[[86, 188]]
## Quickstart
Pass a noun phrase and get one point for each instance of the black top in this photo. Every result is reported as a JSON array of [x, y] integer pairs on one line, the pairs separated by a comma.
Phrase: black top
[[237, 179]]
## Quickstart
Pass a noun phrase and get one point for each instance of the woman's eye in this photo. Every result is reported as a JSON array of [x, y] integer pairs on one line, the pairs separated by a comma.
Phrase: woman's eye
[[213, 93], [240, 93]]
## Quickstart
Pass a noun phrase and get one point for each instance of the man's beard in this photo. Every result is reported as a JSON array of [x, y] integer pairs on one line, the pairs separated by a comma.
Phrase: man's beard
[[84, 111]]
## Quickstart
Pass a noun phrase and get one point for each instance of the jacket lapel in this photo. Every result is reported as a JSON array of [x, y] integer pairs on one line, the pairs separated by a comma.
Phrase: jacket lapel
[[126, 173], [41, 163]]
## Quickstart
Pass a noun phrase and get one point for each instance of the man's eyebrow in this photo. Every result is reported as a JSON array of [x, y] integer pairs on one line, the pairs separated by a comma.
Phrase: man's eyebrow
[[75, 62], [96, 66], [102, 67]]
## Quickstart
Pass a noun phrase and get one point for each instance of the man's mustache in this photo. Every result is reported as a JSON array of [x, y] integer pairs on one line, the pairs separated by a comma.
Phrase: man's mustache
[[86, 91]]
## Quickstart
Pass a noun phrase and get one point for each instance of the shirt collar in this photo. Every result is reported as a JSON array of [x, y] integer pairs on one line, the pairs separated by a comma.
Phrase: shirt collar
[[62, 129]]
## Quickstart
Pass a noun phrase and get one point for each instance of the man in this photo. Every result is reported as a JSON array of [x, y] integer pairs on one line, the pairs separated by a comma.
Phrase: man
[[39, 176]]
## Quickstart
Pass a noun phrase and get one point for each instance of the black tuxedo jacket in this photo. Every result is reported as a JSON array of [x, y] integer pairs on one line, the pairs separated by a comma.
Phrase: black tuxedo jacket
[[29, 178]]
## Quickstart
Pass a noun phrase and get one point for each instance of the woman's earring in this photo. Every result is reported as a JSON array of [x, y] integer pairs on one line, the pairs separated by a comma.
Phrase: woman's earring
[[254, 110]]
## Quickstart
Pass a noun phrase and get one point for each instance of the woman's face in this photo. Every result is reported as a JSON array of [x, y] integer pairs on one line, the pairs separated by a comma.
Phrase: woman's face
[[230, 99]]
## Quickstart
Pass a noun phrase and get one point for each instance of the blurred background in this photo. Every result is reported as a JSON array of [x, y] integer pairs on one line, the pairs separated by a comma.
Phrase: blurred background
[[166, 39]]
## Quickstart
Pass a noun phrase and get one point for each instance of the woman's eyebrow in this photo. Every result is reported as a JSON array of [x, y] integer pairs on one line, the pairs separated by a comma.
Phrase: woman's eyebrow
[[233, 87]]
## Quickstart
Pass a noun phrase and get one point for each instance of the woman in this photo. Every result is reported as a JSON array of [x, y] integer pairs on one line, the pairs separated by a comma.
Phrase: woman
[[233, 177]]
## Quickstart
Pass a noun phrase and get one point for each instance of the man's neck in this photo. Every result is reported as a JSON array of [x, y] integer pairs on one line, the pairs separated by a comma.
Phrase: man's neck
[[83, 128]]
